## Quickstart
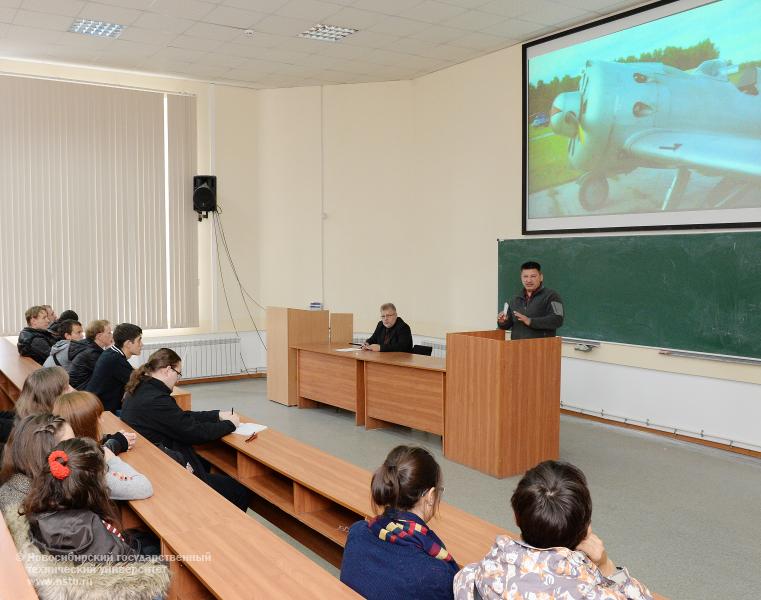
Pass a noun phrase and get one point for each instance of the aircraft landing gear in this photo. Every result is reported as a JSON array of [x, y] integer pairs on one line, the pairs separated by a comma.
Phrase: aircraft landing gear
[[676, 190], [593, 191], [727, 191]]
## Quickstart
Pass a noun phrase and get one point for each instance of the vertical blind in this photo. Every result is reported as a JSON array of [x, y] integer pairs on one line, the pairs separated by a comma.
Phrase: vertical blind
[[96, 207]]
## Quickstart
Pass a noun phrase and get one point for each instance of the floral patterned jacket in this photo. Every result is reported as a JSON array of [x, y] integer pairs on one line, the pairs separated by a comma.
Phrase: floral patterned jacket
[[513, 570]]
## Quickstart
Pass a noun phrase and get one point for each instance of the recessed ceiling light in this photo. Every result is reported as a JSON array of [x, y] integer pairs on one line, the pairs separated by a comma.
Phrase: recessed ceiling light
[[327, 33], [96, 28]]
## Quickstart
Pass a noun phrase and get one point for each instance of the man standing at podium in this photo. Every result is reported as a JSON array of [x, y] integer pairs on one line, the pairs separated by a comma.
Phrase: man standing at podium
[[391, 335], [537, 312]]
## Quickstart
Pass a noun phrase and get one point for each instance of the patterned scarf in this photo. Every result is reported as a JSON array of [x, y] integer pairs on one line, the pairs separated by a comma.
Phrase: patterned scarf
[[403, 529]]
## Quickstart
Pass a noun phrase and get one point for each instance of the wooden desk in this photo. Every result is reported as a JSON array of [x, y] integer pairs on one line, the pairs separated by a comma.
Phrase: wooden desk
[[225, 553], [404, 389], [326, 494], [15, 581], [380, 388], [14, 370]]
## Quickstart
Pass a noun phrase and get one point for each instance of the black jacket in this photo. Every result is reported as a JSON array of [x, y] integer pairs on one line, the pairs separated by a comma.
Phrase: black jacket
[[110, 375], [77, 535], [83, 355], [545, 309], [154, 414], [35, 343], [399, 337]]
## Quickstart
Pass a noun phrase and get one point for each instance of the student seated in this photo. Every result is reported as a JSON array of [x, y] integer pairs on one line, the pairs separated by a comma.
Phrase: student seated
[[112, 371], [82, 411], [83, 355], [391, 334], [150, 409], [55, 324], [68, 536], [69, 331], [33, 438], [395, 555], [558, 557], [35, 341], [40, 390]]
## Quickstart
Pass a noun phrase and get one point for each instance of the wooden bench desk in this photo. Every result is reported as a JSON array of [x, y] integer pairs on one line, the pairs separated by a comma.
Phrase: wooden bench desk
[[328, 494], [14, 370], [380, 388], [225, 553], [15, 582]]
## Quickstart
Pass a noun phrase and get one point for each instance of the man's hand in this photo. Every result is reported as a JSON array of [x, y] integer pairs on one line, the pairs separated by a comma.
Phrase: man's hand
[[365, 346], [593, 547], [522, 318], [131, 438], [501, 318], [374, 347], [229, 416]]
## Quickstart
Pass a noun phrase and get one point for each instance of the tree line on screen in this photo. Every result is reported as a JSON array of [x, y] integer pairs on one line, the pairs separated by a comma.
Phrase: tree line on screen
[[541, 95]]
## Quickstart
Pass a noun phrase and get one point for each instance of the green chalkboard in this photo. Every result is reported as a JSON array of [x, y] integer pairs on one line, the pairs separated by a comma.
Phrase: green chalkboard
[[699, 292]]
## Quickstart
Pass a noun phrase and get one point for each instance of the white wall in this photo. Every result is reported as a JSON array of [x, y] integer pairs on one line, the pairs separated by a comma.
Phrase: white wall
[[417, 181], [724, 411]]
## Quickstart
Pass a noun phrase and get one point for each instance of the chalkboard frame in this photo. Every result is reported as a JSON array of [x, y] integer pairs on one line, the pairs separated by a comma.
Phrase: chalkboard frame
[[525, 132]]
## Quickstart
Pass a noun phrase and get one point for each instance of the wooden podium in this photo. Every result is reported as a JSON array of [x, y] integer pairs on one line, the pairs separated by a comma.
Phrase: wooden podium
[[502, 407], [287, 327]]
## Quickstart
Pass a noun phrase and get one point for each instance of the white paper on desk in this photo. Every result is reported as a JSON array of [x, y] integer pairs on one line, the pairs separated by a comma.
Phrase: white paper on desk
[[346, 349], [249, 429]]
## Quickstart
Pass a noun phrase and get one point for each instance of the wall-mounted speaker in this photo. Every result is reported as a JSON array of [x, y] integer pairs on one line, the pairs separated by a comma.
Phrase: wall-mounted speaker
[[204, 194]]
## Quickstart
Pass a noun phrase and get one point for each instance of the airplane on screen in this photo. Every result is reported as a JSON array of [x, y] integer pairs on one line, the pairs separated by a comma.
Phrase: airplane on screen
[[629, 115]]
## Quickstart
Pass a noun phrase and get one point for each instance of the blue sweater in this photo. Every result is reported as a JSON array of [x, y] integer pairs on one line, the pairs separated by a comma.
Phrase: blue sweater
[[381, 570]]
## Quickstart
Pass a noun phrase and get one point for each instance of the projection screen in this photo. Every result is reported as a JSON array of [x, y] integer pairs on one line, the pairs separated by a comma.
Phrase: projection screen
[[647, 120]]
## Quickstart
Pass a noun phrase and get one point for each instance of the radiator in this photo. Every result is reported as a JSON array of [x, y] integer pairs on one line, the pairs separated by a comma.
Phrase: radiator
[[202, 356]]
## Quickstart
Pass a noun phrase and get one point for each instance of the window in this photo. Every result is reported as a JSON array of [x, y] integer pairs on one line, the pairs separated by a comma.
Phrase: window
[[97, 203]]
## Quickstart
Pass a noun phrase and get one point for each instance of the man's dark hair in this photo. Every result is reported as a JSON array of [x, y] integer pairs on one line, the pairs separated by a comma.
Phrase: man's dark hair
[[125, 332], [532, 264], [66, 327], [552, 505], [68, 314]]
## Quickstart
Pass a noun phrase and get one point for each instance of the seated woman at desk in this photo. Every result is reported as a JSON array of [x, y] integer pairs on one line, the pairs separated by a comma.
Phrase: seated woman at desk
[[149, 408], [82, 411], [557, 555], [392, 334], [26, 453], [395, 555]]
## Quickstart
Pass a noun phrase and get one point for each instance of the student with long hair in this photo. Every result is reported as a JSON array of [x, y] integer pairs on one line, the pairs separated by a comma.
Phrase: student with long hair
[[25, 454], [558, 555], [395, 555], [82, 411], [152, 411], [68, 536], [40, 390]]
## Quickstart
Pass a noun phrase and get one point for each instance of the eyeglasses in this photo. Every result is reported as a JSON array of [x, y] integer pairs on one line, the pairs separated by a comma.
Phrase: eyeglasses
[[388, 316], [179, 373]]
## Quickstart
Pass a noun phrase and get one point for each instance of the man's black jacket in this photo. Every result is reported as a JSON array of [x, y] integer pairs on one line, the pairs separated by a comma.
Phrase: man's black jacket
[[83, 355], [35, 343], [110, 375], [396, 339]]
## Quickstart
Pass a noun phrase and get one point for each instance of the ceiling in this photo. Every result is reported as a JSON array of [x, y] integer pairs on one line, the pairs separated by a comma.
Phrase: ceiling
[[205, 39]]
